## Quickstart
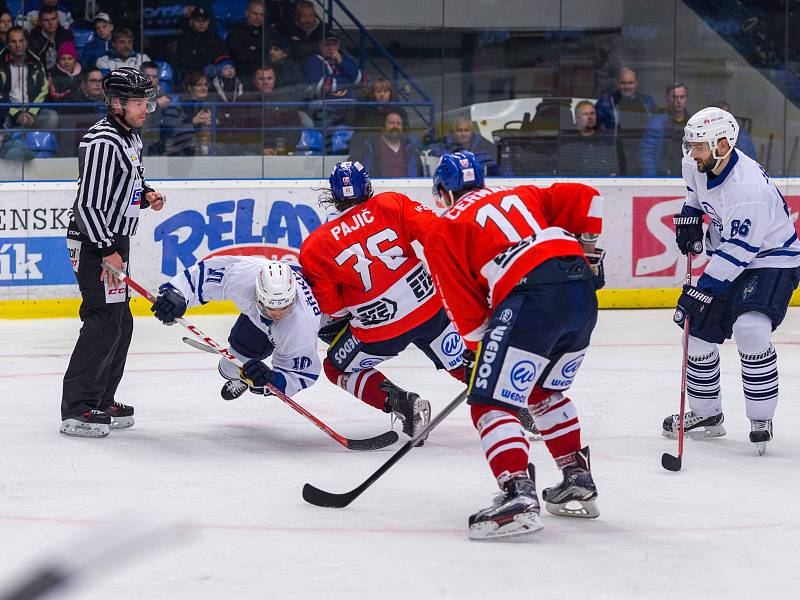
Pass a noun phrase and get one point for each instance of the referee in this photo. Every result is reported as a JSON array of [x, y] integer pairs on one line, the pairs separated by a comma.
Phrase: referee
[[111, 192]]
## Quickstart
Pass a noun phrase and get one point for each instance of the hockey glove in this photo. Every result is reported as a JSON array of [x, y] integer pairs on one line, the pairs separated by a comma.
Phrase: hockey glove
[[468, 360], [596, 263], [693, 303], [689, 233], [169, 305], [256, 373]]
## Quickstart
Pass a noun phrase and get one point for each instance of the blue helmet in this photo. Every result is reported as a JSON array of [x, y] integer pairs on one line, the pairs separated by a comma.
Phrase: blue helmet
[[456, 172], [350, 182]]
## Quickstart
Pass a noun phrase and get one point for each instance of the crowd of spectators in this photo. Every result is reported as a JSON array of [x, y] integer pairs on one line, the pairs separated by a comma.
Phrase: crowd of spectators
[[278, 75]]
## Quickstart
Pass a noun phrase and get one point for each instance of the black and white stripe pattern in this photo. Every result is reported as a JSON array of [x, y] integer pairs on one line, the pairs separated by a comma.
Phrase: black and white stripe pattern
[[702, 383], [110, 171], [760, 381]]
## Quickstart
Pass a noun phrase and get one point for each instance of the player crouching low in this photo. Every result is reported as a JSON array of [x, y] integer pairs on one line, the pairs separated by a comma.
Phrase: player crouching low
[[746, 286], [511, 269], [279, 318]]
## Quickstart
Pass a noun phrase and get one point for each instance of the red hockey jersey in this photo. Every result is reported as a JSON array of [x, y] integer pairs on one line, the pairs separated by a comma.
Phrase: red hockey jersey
[[492, 237], [362, 263]]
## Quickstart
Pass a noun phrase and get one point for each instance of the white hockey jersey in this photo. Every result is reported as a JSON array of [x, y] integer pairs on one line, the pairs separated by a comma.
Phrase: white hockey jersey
[[750, 223], [295, 359]]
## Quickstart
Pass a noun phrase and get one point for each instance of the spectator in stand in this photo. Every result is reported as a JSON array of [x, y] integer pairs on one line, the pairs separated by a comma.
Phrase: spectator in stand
[[588, 151], [287, 70], [151, 131], [122, 53], [281, 124], [91, 89], [186, 126], [391, 153], [23, 80], [197, 47], [47, 37], [332, 73], [64, 80], [6, 23], [661, 148], [32, 17], [307, 32], [245, 40], [626, 113], [744, 143], [464, 135], [228, 90], [99, 42], [371, 117]]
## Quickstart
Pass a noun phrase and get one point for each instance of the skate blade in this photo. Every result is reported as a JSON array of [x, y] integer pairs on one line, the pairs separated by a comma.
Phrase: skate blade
[[79, 429], [121, 422], [761, 447], [423, 407], [707, 432], [522, 524], [588, 509]]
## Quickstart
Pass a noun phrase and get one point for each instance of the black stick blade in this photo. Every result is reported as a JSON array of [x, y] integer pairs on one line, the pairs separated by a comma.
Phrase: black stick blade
[[318, 497], [374, 443], [671, 463]]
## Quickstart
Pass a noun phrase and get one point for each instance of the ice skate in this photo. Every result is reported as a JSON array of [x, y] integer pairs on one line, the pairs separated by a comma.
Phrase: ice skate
[[514, 512], [760, 434], [232, 389], [701, 426], [413, 411], [121, 415], [526, 420], [90, 423], [577, 487]]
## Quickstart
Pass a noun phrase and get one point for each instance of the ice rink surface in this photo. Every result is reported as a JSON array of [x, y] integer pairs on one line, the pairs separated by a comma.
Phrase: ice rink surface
[[726, 526]]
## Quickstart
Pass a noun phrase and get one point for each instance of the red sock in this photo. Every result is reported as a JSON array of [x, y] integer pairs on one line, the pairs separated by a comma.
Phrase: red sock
[[503, 440], [459, 373], [556, 418], [364, 385]]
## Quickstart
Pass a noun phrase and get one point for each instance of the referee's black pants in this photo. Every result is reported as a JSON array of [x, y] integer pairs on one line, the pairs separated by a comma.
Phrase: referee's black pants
[[98, 360]]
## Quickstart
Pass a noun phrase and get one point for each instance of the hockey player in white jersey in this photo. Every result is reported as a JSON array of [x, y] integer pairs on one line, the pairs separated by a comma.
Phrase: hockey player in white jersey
[[280, 318], [746, 286]]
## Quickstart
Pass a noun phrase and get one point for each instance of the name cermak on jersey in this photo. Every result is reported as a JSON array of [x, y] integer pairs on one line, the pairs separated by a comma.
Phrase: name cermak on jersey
[[295, 360], [492, 237], [750, 223], [362, 263]]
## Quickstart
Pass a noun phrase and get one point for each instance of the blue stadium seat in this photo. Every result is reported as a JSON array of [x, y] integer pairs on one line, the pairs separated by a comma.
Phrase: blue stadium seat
[[340, 140], [38, 144], [165, 76], [310, 143], [81, 37]]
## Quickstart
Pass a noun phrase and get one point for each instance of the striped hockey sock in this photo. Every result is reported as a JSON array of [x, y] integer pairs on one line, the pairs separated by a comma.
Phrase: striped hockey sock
[[702, 384], [557, 419], [760, 382], [503, 440], [364, 385]]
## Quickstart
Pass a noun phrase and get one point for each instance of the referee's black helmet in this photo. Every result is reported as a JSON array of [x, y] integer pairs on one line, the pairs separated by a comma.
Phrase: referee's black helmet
[[127, 82]]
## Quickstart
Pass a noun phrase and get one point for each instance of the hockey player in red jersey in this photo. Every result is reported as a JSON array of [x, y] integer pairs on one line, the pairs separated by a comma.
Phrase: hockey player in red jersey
[[511, 268], [361, 265]]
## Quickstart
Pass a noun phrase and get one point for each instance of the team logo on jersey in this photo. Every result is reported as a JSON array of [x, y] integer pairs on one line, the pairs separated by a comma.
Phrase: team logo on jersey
[[345, 181], [750, 287], [506, 315]]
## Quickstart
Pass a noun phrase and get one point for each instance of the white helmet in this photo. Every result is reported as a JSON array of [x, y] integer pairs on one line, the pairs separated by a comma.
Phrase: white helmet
[[276, 286], [711, 125]]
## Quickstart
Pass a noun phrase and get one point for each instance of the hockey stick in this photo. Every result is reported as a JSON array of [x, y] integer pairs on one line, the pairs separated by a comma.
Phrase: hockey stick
[[318, 497], [668, 461], [374, 443]]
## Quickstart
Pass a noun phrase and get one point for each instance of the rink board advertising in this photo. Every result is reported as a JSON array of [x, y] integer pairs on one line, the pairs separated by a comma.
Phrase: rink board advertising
[[272, 218]]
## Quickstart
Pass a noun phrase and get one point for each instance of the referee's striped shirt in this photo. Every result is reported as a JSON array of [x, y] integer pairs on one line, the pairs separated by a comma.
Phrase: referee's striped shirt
[[111, 184]]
